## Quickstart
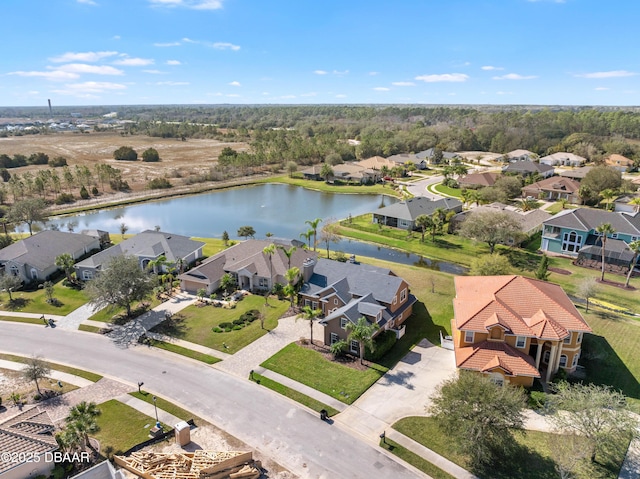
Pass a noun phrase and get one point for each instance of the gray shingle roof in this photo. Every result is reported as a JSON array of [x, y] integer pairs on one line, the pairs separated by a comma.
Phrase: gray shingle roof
[[586, 219], [526, 166], [412, 208], [30, 432], [41, 249], [148, 243]]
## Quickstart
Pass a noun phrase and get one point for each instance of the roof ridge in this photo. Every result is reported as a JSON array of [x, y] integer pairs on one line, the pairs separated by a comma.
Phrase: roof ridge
[[535, 282]]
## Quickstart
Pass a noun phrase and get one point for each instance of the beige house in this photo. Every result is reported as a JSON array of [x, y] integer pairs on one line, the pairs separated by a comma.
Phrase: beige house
[[515, 329], [29, 442]]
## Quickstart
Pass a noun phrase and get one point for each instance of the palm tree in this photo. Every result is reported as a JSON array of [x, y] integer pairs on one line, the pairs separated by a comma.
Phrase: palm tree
[[307, 236], [288, 253], [326, 172], [475, 197], [423, 222], [608, 195], [362, 332], [310, 315], [439, 217], [604, 229], [466, 194], [269, 250], [65, 262], [82, 420], [528, 204], [156, 265], [635, 247], [563, 202], [635, 202], [460, 170], [291, 275], [314, 226], [227, 282]]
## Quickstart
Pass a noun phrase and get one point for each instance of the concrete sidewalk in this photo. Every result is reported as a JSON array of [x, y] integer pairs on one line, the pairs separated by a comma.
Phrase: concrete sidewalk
[[57, 375]]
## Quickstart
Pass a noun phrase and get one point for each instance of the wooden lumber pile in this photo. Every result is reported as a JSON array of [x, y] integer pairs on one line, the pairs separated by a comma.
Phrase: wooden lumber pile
[[192, 465]]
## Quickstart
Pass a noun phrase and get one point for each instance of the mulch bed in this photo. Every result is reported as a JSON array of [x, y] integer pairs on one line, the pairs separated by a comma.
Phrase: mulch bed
[[617, 285], [560, 271], [348, 360]]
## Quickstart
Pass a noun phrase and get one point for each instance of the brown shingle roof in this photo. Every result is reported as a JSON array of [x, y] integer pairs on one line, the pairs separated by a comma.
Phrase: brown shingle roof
[[29, 432], [488, 178], [489, 355], [525, 306]]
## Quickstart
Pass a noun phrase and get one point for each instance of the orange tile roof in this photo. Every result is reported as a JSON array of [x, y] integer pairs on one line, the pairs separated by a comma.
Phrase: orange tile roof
[[489, 355], [525, 306]]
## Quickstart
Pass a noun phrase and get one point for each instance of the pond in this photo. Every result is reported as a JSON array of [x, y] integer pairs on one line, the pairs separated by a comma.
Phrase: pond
[[278, 209]]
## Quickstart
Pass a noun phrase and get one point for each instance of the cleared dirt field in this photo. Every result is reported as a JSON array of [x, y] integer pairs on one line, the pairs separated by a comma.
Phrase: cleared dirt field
[[187, 157]]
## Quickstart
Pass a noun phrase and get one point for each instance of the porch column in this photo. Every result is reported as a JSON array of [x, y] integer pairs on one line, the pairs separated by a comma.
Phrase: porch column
[[539, 354], [552, 360]]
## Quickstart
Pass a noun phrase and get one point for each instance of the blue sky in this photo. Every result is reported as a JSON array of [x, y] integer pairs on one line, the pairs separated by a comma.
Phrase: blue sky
[[113, 52]]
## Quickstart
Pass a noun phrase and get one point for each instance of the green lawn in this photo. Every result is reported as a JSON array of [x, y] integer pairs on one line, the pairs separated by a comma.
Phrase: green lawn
[[447, 191], [212, 245], [532, 460], [116, 315], [55, 366], [16, 319], [377, 189], [189, 353], [121, 427], [167, 406], [36, 301], [195, 324], [415, 460], [293, 394], [557, 207], [311, 368], [89, 329]]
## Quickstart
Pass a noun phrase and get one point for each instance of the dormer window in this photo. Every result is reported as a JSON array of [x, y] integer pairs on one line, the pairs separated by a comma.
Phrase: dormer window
[[468, 336]]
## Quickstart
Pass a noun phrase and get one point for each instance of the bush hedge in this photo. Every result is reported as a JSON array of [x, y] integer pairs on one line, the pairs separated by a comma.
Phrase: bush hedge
[[384, 342]]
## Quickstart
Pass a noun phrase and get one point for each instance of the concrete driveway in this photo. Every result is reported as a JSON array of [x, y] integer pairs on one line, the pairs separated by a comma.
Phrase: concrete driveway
[[403, 391]]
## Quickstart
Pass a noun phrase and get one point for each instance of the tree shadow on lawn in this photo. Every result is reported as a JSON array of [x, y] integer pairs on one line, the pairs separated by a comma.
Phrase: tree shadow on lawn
[[523, 463], [605, 367], [520, 259], [174, 327], [17, 303], [443, 243]]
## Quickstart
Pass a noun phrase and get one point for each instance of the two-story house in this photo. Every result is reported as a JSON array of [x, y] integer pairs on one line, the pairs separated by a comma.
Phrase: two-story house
[[515, 329], [403, 214], [344, 292], [573, 232]]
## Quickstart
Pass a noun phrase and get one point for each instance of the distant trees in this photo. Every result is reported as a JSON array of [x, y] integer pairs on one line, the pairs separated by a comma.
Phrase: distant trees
[[601, 178], [125, 153]]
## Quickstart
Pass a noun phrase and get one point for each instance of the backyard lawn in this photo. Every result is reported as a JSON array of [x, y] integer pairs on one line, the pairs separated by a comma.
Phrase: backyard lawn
[[377, 189], [533, 458], [36, 301], [195, 323], [311, 368], [121, 427]]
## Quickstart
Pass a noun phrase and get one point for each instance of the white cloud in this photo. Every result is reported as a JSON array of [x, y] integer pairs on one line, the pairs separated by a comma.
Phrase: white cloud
[[225, 46], [94, 69], [381, 88], [341, 96], [287, 97], [445, 77], [601, 88], [116, 37], [82, 57], [192, 4], [174, 62], [235, 83], [167, 44], [340, 73], [233, 95], [50, 75], [609, 74], [320, 72], [491, 68], [90, 87], [403, 83], [172, 83], [154, 72], [188, 40], [515, 76], [374, 73], [134, 62], [87, 2]]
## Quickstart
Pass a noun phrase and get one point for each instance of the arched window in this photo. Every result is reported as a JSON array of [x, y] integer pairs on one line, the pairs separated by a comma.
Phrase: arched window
[[563, 361], [545, 358]]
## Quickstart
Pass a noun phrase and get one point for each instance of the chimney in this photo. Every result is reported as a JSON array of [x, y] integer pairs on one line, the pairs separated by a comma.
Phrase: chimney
[[307, 269]]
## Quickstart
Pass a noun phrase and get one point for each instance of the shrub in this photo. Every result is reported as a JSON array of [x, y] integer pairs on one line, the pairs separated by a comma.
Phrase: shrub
[[238, 322], [150, 155], [237, 328], [58, 161], [84, 194], [118, 184], [159, 183], [450, 182], [64, 198], [338, 348], [537, 399], [94, 191], [226, 325], [125, 153], [384, 342], [217, 330]]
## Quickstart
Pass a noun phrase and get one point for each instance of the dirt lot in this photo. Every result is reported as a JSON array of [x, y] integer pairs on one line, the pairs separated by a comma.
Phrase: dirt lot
[[13, 382], [187, 157]]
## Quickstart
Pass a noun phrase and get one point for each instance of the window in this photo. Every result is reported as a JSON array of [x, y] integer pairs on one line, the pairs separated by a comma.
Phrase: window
[[263, 283], [563, 361], [497, 379], [567, 340], [86, 274], [468, 336], [14, 269], [334, 338], [314, 305], [545, 359], [354, 346], [307, 302], [635, 238], [395, 300], [521, 342], [335, 300], [343, 323], [580, 337], [574, 363], [614, 236], [34, 273], [571, 242], [403, 295]]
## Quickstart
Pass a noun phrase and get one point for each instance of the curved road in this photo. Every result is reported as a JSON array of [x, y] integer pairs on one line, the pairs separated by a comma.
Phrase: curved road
[[291, 435]]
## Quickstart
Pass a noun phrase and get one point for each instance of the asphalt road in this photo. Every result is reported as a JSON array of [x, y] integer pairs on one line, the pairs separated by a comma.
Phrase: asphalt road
[[290, 434]]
